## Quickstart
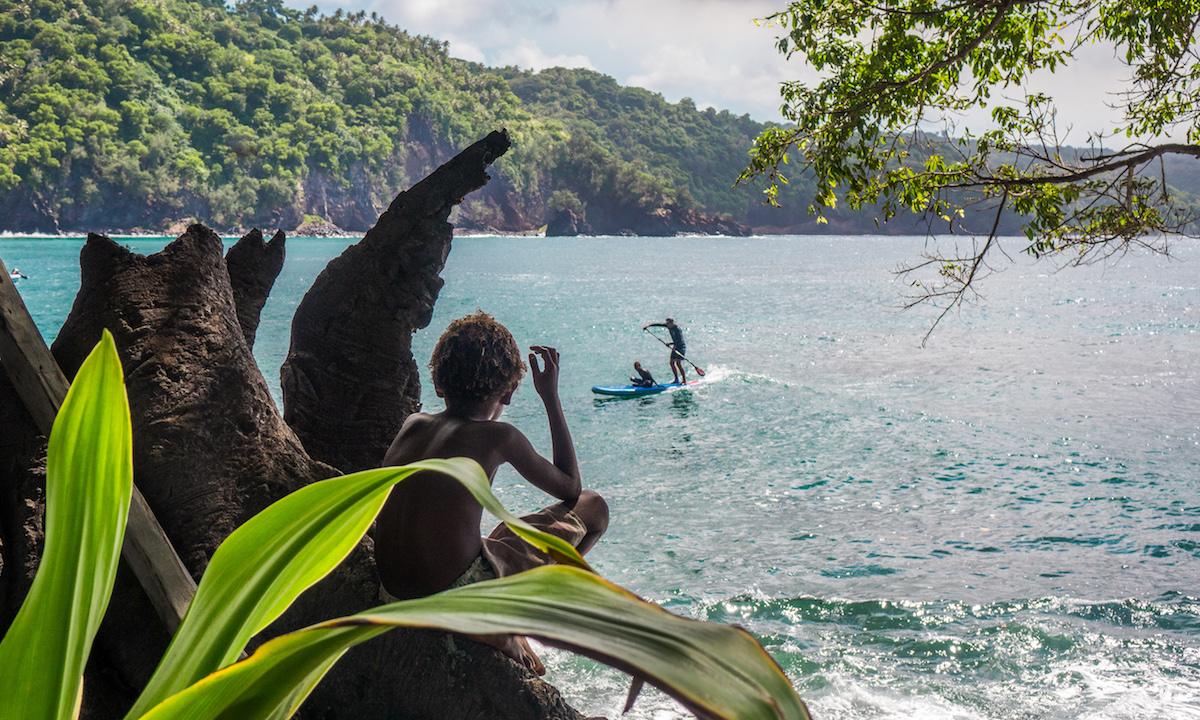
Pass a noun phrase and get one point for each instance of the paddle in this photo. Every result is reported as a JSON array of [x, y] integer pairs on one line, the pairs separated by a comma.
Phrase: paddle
[[699, 370]]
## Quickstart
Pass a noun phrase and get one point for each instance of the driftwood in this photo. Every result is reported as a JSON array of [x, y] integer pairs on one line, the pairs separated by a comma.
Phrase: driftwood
[[210, 448]]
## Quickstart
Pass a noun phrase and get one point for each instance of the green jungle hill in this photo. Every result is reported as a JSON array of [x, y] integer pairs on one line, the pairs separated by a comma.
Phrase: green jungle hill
[[146, 115]]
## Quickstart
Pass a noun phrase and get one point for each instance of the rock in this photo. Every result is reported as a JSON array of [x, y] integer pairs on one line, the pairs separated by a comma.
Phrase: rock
[[179, 227], [318, 228], [664, 221], [22, 500], [674, 220], [25, 211], [568, 223]]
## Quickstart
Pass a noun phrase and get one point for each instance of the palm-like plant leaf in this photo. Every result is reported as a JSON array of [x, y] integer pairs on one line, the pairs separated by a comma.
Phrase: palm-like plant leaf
[[264, 565], [89, 480], [714, 670]]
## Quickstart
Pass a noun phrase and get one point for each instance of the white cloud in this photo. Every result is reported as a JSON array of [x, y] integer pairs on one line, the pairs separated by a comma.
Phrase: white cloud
[[530, 56], [465, 50], [685, 72], [708, 50], [479, 18]]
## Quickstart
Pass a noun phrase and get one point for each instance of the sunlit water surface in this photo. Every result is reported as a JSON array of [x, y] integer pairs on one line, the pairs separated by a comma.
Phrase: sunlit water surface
[[1004, 523]]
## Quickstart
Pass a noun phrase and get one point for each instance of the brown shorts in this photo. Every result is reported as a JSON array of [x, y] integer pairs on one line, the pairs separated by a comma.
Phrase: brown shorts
[[508, 554]]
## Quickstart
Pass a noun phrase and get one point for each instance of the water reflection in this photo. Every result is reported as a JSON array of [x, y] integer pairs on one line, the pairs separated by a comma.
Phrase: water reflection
[[615, 401], [682, 404]]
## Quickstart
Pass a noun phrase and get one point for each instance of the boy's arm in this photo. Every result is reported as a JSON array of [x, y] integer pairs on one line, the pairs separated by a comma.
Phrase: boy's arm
[[560, 478]]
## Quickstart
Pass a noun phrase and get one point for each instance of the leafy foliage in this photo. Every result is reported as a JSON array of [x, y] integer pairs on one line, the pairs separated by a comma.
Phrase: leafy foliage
[[233, 113], [697, 153], [260, 113], [891, 70]]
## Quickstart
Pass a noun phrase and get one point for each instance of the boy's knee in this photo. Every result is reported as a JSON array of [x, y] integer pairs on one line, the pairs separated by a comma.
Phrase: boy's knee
[[593, 510]]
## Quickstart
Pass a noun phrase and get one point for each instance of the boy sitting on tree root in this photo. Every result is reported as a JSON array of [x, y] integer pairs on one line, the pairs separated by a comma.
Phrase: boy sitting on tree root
[[427, 535]]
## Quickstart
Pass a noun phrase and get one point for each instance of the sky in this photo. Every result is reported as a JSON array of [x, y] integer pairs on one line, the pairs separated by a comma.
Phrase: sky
[[708, 50]]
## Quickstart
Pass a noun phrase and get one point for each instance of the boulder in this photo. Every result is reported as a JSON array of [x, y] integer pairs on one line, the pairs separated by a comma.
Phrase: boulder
[[568, 223]]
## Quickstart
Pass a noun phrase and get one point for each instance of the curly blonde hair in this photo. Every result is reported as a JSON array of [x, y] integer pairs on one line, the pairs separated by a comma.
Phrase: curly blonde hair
[[475, 360]]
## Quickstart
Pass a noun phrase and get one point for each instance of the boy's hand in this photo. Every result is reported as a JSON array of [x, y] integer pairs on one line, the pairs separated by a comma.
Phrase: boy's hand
[[544, 380]]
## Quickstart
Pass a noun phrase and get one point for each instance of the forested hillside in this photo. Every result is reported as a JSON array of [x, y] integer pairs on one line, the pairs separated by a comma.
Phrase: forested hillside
[[143, 114], [130, 114]]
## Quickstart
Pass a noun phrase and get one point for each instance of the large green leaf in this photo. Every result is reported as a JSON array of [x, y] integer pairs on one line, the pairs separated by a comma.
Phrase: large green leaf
[[714, 670], [89, 480], [265, 564]]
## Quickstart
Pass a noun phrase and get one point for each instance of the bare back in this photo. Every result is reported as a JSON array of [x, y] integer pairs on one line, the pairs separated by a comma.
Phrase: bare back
[[428, 531]]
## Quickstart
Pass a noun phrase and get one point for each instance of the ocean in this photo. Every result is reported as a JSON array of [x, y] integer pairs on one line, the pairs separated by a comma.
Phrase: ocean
[[1004, 523]]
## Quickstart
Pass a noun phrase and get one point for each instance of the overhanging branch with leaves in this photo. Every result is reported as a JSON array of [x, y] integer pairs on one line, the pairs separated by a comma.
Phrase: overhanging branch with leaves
[[891, 73]]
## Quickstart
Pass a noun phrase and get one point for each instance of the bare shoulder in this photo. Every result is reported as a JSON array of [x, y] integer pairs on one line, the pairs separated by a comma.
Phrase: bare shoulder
[[412, 434], [507, 439], [415, 420], [417, 424], [494, 432]]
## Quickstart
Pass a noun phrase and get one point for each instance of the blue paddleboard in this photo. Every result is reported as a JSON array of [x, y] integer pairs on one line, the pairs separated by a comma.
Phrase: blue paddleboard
[[635, 391]]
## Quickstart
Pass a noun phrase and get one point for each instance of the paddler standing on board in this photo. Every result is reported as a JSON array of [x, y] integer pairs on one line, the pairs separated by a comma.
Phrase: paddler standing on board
[[678, 348]]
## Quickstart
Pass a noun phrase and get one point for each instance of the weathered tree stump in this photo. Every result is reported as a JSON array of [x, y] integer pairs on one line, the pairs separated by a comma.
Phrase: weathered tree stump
[[253, 266], [349, 379], [211, 450]]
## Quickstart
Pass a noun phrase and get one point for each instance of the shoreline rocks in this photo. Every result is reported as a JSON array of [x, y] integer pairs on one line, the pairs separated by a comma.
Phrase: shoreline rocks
[[666, 221], [320, 228]]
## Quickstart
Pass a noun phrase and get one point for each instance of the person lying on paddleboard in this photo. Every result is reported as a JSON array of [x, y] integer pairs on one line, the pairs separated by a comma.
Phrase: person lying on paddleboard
[[678, 348], [644, 379], [427, 535]]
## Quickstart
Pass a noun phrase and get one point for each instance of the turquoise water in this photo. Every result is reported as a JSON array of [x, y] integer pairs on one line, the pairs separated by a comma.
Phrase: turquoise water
[[1005, 523]]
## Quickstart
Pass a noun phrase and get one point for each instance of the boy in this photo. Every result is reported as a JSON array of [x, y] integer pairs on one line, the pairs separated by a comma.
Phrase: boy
[[427, 535], [644, 378]]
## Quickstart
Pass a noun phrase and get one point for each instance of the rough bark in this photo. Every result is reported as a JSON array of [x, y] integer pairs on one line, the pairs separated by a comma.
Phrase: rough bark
[[197, 399], [349, 379], [253, 266], [22, 501], [210, 450], [446, 676]]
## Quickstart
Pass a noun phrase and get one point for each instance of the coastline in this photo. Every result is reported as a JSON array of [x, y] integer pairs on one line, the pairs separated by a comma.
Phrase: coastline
[[236, 233]]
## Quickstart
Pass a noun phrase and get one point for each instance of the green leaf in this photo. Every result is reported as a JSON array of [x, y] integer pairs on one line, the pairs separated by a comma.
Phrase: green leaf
[[716, 671], [89, 480], [264, 565]]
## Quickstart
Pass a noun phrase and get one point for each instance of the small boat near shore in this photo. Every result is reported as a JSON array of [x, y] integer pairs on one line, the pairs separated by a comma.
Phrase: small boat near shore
[[637, 390]]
